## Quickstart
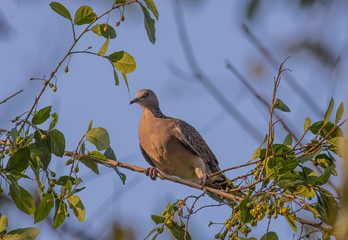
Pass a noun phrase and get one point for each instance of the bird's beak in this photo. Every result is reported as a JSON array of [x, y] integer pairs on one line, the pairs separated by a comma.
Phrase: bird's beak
[[135, 100]]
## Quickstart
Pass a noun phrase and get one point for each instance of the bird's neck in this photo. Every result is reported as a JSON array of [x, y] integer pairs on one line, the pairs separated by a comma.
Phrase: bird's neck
[[156, 112]]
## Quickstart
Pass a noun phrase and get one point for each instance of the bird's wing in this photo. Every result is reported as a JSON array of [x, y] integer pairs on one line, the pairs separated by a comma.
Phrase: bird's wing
[[147, 158], [189, 136]]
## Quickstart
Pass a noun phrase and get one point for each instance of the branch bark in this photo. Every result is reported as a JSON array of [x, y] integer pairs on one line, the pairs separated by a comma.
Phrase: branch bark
[[163, 176]]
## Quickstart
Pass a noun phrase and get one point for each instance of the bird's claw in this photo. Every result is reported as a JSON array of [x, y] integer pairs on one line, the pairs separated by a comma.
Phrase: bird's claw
[[152, 172], [205, 179]]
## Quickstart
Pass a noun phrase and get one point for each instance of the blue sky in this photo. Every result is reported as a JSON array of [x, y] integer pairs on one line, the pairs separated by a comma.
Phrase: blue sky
[[37, 39]]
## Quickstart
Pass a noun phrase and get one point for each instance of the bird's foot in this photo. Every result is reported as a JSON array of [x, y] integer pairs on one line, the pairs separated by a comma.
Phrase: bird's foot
[[152, 172], [205, 179]]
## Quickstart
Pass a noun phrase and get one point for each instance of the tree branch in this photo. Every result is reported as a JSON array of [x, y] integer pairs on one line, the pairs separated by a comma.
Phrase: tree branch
[[301, 92], [11, 96], [205, 81], [259, 97], [163, 176]]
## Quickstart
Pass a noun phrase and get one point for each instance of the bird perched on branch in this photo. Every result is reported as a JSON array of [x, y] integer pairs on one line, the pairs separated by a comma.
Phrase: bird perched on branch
[[173, 146]]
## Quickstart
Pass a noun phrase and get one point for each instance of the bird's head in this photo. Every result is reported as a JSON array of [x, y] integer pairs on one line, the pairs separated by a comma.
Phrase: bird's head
[[146, 98]]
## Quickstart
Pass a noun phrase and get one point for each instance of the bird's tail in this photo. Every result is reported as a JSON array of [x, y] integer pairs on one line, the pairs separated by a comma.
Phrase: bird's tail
[[221, 182]]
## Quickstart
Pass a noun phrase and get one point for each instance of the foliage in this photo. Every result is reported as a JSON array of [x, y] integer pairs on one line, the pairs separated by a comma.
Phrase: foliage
[[27, 149], [285, 179]]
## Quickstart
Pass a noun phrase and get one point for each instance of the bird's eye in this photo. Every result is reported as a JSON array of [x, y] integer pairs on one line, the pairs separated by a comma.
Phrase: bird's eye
[[147, 94]]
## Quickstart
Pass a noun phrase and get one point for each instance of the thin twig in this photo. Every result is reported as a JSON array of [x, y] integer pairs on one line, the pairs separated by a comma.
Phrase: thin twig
[[190, 213], [317, 225], [269, 137], [11, 96], [269, 223], [231, 168]]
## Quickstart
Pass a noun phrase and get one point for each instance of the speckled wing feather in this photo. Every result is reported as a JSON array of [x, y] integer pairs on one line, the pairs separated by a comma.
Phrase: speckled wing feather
[[147, 158], [189, 136]]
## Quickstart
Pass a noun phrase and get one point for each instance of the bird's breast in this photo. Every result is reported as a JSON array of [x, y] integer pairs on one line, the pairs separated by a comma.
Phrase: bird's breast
[[167, 152]]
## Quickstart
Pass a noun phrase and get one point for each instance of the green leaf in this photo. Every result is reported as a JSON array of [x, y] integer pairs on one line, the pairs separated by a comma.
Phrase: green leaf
[[149, 25], [14, 135], [215, 197], [307, 124], [19, 161], [99, 137], [258, 150], [286, 165], [3, 223], [84, 15], [158, 219], [14, 185], [120, 1], [328, 111], [90, 125], [123, 62], [68, 185], [313, 210], [152, 231], [256, 154], [303, 191], [54, 121], [44, 208], [338, 145], [63, 180], [291, 220], [170, 207], [151, 5], [125, 79], [60, 214], [339, 113], [270, 236], [103, 49], [90, 164], [40, 152], [41, 116], [117, 81], [76, 190], [57, 142], [98, 155], [245, 211], [324, 178], [29, 233], [323, 160], [253, 6], [178, 232], [109, 33], [110, 154], [96, 29], [61, 10], [288, 140], [327, 207], [308, 157], [116, 56], [19, 175], [326, 129], [25, 202], [78, 208], [281, 106]]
